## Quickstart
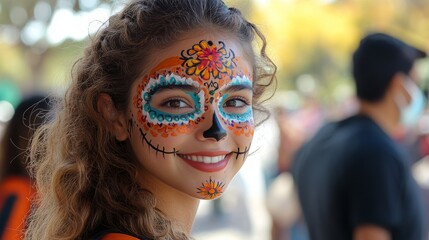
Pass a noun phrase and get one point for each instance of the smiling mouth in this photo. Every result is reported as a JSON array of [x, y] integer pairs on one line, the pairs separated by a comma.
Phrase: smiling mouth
[[208, 162], [203, 159]]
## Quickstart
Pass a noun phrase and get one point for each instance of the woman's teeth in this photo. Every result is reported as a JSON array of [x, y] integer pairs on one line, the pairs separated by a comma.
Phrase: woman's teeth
[[204, 159]]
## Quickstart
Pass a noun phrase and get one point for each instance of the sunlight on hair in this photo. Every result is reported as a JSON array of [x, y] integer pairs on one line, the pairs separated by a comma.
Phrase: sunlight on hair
[[68, 25]]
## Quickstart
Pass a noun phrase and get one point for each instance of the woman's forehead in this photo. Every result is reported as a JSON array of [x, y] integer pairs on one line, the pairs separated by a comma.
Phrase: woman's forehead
[[201, 57]]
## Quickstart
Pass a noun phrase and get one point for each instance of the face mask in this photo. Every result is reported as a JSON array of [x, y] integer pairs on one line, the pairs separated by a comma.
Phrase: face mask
[[410, 113]]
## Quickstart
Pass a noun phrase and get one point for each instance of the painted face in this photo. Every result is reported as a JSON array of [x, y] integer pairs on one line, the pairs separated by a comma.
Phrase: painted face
[[191, 120]]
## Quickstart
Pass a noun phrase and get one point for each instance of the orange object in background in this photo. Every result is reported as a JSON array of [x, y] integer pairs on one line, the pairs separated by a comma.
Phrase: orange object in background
[[15, 195]]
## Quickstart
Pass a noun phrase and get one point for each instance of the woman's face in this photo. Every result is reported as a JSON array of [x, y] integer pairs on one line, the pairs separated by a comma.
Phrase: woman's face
[[190, 120]]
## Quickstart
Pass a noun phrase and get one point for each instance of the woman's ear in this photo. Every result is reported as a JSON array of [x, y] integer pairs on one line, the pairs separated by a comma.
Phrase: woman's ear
[[115, 120]]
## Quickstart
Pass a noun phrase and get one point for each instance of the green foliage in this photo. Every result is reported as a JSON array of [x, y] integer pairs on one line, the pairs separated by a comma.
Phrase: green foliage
[[317, 38]]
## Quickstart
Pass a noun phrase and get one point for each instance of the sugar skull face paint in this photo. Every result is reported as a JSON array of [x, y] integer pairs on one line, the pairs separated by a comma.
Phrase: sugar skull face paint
[[186, 86], [191, 119], [206, 59], [244, 114]]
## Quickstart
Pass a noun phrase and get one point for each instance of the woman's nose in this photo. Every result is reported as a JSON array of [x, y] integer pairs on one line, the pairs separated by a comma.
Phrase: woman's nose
[[216, 130]]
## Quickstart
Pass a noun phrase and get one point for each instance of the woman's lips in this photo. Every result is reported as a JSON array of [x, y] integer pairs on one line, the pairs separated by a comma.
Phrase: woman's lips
[[207, 162]]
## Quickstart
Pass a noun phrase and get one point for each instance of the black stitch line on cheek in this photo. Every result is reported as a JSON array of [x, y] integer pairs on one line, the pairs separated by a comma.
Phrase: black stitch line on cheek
[[130, 126], [157, 149], [246, 150], [156, 153]]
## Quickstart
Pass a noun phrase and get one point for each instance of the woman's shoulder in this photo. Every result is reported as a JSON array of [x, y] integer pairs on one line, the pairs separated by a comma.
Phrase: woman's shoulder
[[116, 235]]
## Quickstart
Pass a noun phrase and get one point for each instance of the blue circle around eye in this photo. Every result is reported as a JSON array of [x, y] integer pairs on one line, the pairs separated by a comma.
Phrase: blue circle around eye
[[164, 117], [162, 80], [234, 117], [160, 117], [146, 96], [146, 107]]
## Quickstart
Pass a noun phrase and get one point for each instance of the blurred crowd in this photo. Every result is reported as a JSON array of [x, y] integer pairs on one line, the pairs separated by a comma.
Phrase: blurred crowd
[[261, 203]]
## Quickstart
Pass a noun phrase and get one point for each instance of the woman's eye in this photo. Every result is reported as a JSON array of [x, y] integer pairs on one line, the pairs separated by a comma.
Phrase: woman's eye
[[176, 103], [236, 102]]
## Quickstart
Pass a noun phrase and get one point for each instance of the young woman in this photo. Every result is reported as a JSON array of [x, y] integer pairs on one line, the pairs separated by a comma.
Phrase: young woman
[[159, 115]]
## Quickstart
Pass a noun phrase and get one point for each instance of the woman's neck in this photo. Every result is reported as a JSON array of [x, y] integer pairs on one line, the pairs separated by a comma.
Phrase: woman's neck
[[179, 207]]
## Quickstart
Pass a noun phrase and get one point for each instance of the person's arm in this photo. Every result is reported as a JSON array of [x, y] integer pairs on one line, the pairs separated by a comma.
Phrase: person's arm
[[370, 232]]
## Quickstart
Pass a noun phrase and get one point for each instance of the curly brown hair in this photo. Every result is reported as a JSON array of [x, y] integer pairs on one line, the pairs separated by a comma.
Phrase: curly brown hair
[[86, 179]]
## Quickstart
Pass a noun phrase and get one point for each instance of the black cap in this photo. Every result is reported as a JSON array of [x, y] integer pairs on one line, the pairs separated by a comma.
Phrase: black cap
[[402, 54], [377, 59]]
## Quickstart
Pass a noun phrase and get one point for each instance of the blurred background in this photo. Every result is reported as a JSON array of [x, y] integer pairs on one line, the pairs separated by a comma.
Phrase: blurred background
[[311, 41]]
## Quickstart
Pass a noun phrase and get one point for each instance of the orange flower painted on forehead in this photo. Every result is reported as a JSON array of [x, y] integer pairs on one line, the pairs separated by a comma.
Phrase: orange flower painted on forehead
[[205, 59]]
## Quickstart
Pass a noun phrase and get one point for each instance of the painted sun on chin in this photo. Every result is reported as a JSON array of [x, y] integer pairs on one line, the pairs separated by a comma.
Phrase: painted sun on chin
[[214, 188], [211, 189]]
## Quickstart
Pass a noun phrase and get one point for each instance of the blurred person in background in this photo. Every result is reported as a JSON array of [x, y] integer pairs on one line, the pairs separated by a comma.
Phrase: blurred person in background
[[282, 202], [292, 134], [295, 127], [420, 168], [159, 115], [16, 186], [353, 180]]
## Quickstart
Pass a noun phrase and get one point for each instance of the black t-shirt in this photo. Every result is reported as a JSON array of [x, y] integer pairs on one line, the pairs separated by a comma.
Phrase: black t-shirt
[[352, 173]]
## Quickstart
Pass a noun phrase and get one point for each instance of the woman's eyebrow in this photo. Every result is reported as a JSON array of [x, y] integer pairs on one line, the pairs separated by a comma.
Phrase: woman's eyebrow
[[237, 87], [185, 87]]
